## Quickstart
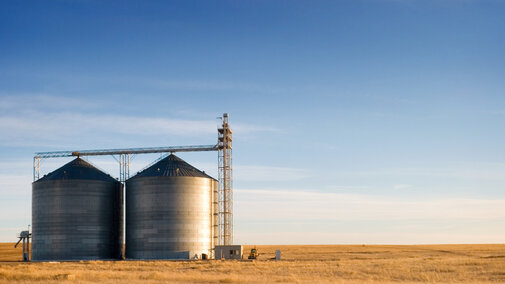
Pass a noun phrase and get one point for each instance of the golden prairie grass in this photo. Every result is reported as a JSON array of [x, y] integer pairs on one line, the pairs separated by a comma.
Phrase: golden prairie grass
[[299, 264], [9, 253]]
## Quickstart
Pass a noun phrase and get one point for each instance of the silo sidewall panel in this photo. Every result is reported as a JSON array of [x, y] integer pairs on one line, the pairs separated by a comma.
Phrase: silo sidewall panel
[[75, 220], [168, 217]]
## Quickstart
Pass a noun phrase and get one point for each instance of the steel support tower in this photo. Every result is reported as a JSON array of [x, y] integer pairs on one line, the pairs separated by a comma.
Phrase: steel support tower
[[224, 204], [225, 194]]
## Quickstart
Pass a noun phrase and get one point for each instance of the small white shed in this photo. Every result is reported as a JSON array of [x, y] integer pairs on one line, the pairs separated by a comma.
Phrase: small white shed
[[228, 252]]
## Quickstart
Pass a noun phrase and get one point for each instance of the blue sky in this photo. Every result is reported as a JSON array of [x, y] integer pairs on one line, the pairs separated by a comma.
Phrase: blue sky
[[367, 121]]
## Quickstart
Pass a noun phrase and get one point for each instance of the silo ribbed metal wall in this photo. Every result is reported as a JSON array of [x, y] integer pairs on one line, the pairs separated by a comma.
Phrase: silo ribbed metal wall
[[169, 217], [77, 220]]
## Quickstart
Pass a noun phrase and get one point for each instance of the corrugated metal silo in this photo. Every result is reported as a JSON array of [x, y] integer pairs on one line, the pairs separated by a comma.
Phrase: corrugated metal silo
[[77, 214], [170, 212]]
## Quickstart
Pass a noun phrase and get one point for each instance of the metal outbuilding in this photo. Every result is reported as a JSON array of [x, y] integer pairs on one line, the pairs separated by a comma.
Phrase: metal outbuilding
[[77, 214], [171, 212]]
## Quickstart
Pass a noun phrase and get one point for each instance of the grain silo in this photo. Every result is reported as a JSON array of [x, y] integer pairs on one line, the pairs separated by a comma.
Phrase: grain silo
[[77, 214], [170, 210]]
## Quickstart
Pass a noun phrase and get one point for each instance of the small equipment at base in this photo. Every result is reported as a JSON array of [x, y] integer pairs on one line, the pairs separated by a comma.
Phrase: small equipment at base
[[254, 254], [25, 237]]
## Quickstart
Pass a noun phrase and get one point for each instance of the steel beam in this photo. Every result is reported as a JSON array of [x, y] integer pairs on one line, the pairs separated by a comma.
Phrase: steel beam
[[105, 152]]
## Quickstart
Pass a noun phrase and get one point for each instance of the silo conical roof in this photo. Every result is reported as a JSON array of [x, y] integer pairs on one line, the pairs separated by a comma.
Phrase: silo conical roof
[[78, 169], [171, 166]]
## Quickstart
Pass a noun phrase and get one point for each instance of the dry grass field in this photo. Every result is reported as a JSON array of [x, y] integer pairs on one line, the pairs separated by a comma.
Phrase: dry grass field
[[299, 264]]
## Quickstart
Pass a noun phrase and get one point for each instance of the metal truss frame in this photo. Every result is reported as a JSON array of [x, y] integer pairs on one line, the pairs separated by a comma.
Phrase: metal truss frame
[[225, 192]]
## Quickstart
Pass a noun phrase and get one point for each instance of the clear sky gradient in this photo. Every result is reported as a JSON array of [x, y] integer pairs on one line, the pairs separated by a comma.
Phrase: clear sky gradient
[[363, 121]]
